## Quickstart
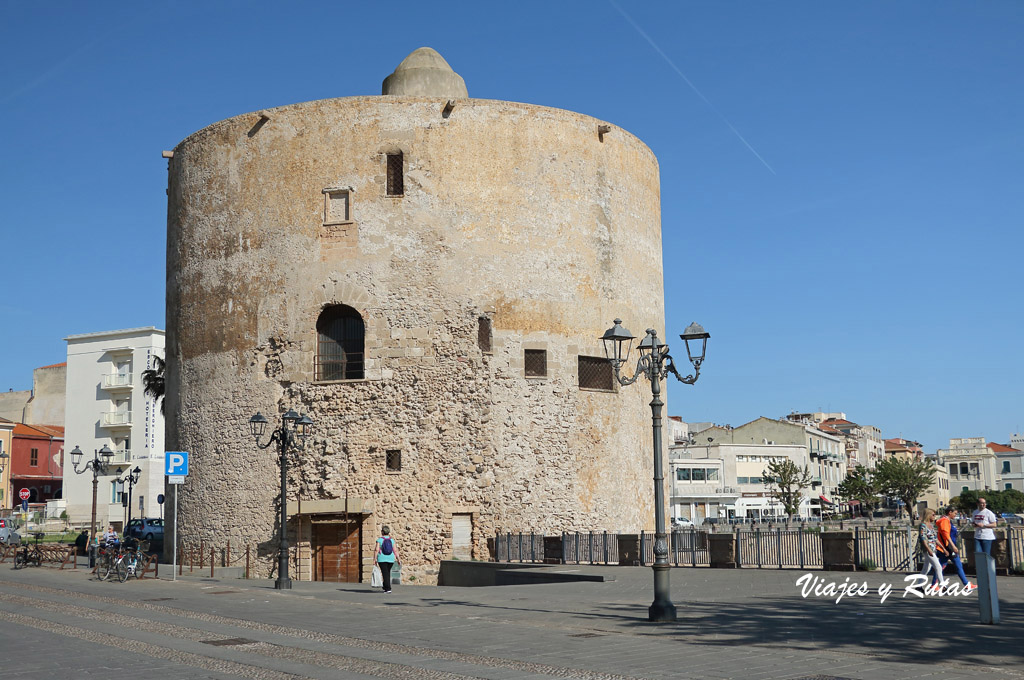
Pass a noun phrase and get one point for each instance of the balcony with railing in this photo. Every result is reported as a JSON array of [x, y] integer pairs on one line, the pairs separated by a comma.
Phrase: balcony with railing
[[116, 419], [117, 381], [121, 457]]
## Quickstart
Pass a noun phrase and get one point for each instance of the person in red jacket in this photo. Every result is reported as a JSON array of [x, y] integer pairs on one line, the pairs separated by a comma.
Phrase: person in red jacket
[[945, 546]]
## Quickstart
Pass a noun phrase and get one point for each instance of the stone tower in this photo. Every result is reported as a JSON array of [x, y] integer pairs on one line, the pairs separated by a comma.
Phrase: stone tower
[[427, 276]]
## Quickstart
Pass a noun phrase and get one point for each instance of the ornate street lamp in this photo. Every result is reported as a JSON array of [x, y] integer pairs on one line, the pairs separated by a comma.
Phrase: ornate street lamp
[[98, 467], [3, 465], [292, 425], [655, 363], [131, 479]]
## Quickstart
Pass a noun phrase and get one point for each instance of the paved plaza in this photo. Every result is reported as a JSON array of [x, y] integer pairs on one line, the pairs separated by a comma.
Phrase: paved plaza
[[732, 624]]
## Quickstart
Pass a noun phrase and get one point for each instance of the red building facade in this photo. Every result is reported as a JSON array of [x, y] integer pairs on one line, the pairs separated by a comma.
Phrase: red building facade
[[37, 462]]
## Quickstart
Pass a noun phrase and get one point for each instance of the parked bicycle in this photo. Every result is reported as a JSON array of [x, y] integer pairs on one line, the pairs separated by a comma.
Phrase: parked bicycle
[[29, 555], [106, 557]]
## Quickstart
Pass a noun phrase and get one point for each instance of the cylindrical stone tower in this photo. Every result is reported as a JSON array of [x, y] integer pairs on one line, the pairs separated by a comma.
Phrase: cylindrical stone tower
[[427, 276]]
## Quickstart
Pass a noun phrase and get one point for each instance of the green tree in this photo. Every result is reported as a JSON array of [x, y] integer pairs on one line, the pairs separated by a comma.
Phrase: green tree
[[860, 485], [786, 483], [153, 381], [905, 479]]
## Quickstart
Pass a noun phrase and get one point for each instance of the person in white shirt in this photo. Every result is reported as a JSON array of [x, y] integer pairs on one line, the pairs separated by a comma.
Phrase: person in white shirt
[[984, 521]]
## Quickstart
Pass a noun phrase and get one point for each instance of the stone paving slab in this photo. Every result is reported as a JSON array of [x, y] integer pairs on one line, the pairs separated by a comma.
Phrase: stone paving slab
[[732, 624]]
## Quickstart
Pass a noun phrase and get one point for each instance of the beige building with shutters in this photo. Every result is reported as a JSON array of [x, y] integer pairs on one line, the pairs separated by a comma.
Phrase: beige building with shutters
[[427, 276]]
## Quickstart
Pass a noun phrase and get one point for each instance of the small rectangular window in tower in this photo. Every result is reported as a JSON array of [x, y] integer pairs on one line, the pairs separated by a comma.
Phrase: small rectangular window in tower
[[337, 206], [396, 174], [535, 363], [483, 334], [595, 373], [393, 461]]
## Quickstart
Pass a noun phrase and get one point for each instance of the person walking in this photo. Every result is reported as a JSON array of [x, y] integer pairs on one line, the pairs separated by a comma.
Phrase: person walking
[[984, 521], [927, 538], [945, 546], [386, 556]]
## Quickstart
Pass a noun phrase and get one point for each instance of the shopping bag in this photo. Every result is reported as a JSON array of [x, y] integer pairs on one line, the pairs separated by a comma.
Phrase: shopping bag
[[376, 578], [396, 574]]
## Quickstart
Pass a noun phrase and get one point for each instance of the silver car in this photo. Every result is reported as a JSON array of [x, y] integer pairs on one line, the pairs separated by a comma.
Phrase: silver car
[[8, 535]]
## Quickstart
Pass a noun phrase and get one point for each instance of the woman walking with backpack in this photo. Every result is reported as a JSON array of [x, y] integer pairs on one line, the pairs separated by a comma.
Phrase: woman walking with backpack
[[386, 556]]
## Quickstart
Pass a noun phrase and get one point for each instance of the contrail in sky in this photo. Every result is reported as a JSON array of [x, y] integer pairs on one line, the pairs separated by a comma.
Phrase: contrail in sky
[[692, 86]]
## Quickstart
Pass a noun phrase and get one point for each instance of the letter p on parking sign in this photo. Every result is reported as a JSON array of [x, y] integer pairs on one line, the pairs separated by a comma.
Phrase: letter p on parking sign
[[176, 463]]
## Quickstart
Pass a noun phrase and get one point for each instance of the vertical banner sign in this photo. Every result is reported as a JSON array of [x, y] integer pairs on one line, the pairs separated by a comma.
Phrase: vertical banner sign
[[176, 469]]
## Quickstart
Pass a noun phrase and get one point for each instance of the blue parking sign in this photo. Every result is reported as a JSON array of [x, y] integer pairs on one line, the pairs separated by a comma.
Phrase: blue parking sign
[[176, 463]]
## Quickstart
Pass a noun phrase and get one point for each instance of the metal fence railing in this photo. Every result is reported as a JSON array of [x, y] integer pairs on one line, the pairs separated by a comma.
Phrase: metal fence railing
[[890, 549], [1015, 546], [519, 547], [779, 548], [590, 548]]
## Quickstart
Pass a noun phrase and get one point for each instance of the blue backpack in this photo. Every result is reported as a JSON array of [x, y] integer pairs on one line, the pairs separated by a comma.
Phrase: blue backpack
[[385, 547]]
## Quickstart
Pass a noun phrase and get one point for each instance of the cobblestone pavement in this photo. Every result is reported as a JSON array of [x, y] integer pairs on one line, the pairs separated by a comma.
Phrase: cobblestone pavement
[[732, 624]]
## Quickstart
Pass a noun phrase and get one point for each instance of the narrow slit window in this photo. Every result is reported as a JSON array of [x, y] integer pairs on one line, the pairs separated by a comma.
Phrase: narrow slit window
[[393, 460], [483, 333], [535, 363], [595, 373], [396, 174]]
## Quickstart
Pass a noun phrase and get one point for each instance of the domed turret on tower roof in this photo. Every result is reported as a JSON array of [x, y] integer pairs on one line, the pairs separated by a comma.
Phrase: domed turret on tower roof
[[425, 73]]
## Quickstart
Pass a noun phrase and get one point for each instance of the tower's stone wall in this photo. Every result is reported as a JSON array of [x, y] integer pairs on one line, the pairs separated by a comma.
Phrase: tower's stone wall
[[521, 214]]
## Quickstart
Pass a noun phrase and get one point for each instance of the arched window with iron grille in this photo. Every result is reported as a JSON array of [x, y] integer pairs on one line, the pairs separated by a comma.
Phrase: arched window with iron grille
[[339, 349]]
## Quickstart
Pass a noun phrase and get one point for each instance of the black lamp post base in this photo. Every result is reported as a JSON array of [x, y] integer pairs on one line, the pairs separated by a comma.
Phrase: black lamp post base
[[661, 612], [283, 584]]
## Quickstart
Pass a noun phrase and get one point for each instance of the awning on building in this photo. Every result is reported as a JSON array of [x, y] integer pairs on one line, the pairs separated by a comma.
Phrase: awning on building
[[825, 500]]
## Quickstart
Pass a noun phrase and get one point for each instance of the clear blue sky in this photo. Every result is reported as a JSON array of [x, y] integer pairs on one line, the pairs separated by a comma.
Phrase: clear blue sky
[[842, 183]]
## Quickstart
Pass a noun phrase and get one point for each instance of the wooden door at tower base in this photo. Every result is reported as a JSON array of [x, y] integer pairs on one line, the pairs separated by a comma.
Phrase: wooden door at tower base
[[336, 552]]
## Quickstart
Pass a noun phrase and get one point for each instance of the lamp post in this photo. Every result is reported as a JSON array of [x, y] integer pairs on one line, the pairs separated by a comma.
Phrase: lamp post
[[98, 467], [655, 363], [3, 466], [131, 479], [292, 425]]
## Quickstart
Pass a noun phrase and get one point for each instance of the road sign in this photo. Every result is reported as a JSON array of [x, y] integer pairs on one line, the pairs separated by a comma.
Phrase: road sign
[[24, 505], [176, 463], [175, 479], [24, 494]]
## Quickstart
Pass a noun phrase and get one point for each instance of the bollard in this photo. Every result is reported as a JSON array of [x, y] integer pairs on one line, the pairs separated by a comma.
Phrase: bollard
[[211, 561], [227, 556], [988, 593], [246, 561]]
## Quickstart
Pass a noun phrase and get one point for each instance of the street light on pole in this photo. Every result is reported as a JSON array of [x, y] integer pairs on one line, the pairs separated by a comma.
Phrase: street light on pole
[[98, 467], [655, 363], [131, 479], [292, 425], [3, 466]]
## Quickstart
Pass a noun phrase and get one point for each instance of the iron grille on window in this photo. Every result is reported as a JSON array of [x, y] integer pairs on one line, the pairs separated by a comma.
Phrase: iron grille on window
[[535, 362], [396, 176], [339, 344], [483, 334], [595, 373], [394, 460]]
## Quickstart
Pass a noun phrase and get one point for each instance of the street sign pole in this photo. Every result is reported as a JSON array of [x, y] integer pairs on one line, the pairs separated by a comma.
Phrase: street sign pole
[[174, 549], [176, 469]]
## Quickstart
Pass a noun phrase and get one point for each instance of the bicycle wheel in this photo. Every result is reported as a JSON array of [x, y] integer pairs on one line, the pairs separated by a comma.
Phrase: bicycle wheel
[[103, 567], [19, 560], [36, 559], [121, 566]]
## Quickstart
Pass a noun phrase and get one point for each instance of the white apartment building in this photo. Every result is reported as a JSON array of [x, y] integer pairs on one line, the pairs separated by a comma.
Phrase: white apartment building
[[971, 465], [725, 481], [107, 406]]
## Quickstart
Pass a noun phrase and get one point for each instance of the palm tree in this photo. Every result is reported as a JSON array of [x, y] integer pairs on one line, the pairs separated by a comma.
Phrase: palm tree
[[153, 381]]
